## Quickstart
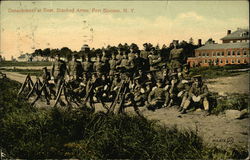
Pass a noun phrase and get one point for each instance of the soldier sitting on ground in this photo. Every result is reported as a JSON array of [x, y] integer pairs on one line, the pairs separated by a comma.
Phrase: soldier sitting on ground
[[158, 97], [198, 93]]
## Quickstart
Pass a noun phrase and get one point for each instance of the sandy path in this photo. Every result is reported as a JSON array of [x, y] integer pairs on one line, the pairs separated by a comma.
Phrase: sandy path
[[17, 76], [215, 130]]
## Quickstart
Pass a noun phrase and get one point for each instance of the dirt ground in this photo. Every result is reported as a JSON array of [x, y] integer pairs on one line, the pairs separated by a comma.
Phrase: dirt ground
[[227, 85], [215, 130]]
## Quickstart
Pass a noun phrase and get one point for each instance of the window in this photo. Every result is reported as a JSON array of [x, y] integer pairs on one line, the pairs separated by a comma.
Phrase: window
[[245, 52], [214, 54], [229, 53], [203, 54], [233, 53], [205, 61], [238, 61], [238, 53], [221, 61], [199, 54], [226, 61], [222, 53], [208, 54], [232, 61], [245, 61], [218, 53]]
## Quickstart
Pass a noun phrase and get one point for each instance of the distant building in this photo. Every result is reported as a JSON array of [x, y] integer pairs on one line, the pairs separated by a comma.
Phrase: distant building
[[85, 48], [233, 50], [240, 35], [40, 58], [25, 58]]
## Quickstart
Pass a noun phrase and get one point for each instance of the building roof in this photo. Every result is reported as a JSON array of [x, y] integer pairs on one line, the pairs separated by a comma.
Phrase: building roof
[[225, 46], [238, 34]]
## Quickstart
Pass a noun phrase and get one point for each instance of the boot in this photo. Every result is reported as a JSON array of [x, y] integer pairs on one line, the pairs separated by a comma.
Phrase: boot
[[183, 111]]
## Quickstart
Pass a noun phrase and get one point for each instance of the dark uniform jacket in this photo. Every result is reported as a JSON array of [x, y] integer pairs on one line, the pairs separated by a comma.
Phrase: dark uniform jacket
[[58, 69]]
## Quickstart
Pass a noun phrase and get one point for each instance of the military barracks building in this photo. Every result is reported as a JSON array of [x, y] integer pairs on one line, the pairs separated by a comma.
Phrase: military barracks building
[[233, 50]]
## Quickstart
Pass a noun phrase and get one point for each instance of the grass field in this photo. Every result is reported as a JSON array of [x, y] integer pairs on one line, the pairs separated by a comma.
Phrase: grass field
[[10, 63], [32, 72], [218, 71]]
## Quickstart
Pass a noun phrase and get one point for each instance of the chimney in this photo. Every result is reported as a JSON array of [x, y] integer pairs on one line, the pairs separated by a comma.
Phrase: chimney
[[228, 32], [199, 42]]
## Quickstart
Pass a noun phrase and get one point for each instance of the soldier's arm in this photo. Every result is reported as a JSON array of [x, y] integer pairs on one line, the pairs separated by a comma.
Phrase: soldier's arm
[[167, 98], [150, 96], [205, 91], [191, 91], [68, 69], [53, 69], [158, 60]]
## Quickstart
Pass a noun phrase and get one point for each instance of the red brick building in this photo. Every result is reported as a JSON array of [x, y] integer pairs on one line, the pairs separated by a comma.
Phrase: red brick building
[[233, 50]]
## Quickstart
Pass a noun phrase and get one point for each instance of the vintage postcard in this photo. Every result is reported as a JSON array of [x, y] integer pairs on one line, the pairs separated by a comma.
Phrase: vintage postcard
[[124, 79]]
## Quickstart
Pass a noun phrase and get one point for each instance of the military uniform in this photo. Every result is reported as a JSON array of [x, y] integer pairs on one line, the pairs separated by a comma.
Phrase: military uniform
[[58, 70], [158, 97], [175, 57], [154, 61], [99, 66], [87, 68], [112, 65], [198, 93], [75, 70]]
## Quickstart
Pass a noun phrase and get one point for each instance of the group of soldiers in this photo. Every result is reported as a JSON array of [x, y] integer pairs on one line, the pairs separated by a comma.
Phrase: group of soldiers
[[133, 79]]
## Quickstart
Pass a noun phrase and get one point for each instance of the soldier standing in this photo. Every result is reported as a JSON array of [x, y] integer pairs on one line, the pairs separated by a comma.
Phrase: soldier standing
[[87, 66], [58, 70], [154, 60], [99, 65], [112, 64], [75, 69], [175, 56], [140, 63]]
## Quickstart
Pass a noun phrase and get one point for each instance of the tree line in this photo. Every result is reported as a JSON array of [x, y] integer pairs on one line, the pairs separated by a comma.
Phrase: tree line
[[163, 51]]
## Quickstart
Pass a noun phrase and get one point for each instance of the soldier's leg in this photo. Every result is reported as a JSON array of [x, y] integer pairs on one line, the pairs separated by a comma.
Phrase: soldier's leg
[[205, 104], [186, 105], [185, 95]]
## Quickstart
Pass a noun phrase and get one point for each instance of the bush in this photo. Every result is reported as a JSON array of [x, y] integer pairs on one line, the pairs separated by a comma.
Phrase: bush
[[234, 101]]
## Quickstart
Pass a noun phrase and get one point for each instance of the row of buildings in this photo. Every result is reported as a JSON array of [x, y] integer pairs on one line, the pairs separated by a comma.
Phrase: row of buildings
[[234, 49]]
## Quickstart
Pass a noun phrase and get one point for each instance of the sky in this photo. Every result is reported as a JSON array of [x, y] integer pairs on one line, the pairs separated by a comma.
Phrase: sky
[[29, 25]]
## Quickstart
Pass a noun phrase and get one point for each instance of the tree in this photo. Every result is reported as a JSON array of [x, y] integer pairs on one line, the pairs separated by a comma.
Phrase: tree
[[46, 52], [66, 52]]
